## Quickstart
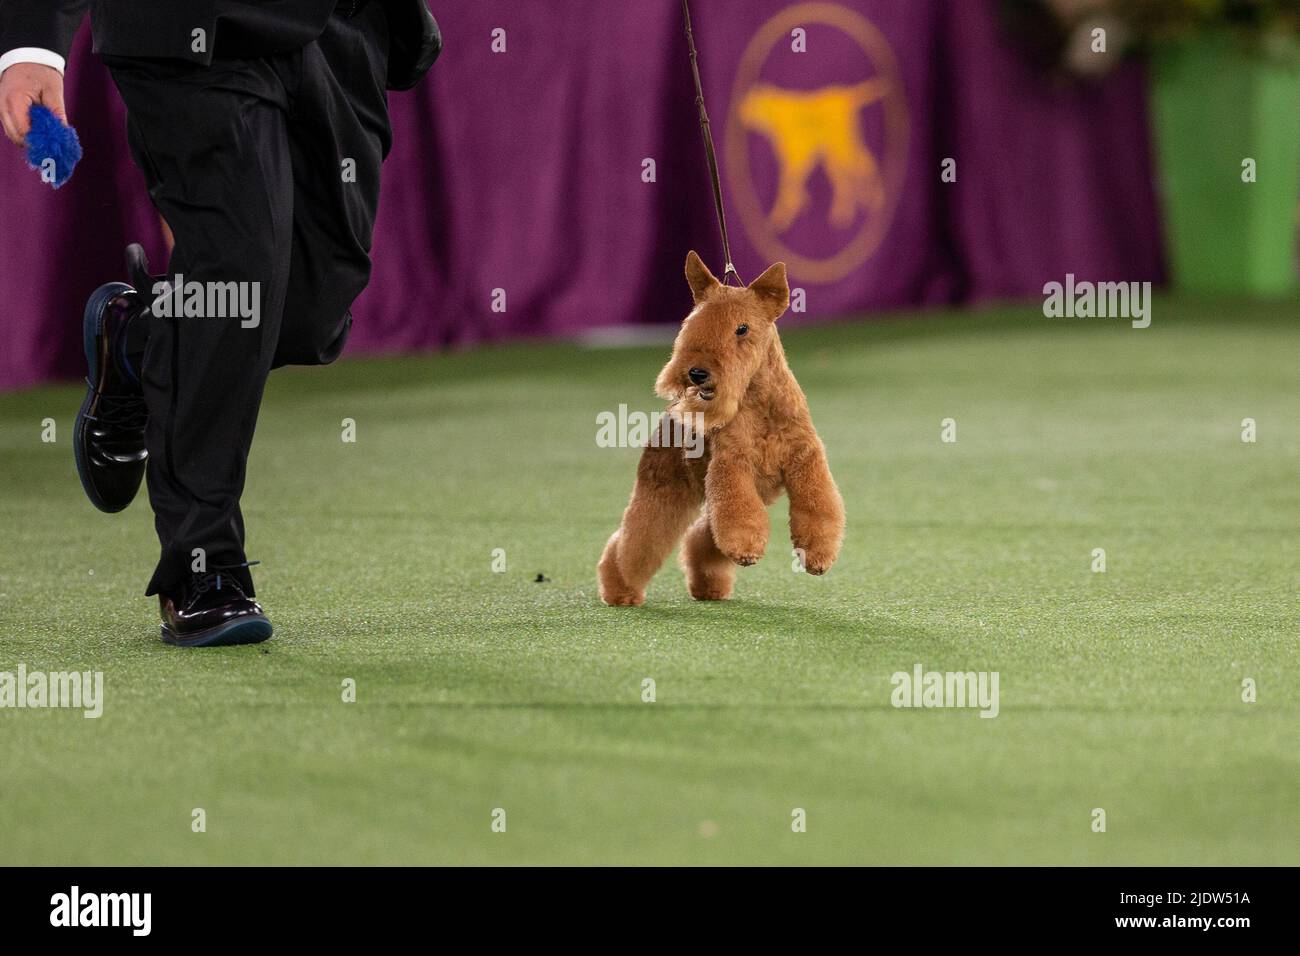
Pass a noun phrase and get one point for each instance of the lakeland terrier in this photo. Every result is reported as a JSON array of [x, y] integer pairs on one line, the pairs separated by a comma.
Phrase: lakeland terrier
[[727, 372]]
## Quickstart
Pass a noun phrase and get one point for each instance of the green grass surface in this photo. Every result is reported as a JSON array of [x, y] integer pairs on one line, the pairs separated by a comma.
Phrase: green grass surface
[[479, 690]]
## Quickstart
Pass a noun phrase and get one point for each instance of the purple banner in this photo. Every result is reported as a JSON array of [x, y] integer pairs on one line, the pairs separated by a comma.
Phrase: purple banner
[[567, 170]]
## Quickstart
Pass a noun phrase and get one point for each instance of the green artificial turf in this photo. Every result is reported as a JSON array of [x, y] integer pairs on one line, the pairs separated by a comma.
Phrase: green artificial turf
[[479, 690]]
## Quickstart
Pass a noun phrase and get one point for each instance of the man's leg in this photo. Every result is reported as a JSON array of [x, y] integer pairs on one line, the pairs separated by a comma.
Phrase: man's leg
[[338, 138], [214, 148]]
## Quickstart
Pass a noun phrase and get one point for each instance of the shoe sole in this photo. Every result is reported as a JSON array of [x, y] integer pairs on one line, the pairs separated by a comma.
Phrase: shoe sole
[[92, 324], [247, 630]]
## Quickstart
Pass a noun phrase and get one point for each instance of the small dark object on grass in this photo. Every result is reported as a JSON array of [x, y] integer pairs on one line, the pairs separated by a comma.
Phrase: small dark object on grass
[[541, 579]]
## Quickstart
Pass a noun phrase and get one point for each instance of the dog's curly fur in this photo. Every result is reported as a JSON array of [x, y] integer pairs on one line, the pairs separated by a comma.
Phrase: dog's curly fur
[[759, 440]]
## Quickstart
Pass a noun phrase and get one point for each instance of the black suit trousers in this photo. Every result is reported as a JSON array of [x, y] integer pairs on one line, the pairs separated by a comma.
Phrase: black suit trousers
[[267, 170]]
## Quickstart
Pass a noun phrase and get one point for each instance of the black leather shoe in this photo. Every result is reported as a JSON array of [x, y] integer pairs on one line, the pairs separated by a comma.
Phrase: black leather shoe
[[212, 611], [108, 435]]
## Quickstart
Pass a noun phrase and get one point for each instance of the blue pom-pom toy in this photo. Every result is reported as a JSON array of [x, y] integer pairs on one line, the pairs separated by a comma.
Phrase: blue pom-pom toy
[[52, 139]]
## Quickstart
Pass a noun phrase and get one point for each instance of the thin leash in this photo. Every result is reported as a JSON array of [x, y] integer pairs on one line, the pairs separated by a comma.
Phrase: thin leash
[[728, 269]]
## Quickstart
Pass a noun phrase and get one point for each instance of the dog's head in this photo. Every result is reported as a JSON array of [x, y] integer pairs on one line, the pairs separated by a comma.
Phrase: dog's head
[[723, 342]]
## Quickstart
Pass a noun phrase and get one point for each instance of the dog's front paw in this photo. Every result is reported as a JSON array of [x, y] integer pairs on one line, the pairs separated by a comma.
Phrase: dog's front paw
[[744, 548], [816, 558]]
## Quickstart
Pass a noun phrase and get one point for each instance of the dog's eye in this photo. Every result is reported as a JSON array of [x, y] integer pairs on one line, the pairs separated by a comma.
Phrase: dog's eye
[[742, 330]]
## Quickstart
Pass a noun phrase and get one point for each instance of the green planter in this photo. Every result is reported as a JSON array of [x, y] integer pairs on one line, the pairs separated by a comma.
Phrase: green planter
[[1215, 103]]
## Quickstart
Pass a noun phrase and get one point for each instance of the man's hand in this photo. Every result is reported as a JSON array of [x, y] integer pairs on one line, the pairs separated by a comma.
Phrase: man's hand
[[22, 85]]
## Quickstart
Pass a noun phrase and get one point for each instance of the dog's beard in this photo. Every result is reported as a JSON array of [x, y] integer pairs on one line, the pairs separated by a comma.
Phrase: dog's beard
[[674, 386], [717, 411]]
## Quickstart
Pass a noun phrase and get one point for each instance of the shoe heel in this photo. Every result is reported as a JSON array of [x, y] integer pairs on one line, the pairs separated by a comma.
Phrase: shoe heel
[[92, 322]]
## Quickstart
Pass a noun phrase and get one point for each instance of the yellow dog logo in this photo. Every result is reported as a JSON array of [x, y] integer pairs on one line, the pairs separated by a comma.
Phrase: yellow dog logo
[[850, 129], [814, 129]]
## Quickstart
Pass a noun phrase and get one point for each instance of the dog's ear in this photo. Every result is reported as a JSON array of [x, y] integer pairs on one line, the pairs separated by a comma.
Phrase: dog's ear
[[698, 276], [772, 289]]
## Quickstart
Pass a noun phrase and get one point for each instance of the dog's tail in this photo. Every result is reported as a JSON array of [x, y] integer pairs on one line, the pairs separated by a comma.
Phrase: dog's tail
[[868, 91]]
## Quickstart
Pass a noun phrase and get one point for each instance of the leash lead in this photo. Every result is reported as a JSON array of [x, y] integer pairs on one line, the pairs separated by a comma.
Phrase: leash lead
[[728, 269]]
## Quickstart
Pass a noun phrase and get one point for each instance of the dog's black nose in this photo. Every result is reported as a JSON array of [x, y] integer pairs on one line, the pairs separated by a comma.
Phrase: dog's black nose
[[698, 376]]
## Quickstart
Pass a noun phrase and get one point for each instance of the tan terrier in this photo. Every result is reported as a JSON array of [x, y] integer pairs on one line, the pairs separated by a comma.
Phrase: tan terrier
[[728, 372]]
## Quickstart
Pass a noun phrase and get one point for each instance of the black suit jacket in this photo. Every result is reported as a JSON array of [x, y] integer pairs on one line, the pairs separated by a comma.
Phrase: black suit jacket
[[238, 28]]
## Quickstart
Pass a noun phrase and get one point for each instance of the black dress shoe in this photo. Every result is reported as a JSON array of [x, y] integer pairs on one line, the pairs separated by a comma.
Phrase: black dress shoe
[[212, 611], [108, 435]]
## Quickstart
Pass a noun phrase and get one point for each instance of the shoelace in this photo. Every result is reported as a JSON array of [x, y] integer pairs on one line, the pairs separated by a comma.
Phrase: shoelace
[[121, 411], [203, 581]]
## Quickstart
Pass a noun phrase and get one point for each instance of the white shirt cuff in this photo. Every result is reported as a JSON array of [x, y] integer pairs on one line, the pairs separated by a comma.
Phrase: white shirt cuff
[[32, 54]]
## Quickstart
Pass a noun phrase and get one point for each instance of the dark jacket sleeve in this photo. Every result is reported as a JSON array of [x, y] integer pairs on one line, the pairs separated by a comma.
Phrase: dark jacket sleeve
[[414, 42], [44, 23]]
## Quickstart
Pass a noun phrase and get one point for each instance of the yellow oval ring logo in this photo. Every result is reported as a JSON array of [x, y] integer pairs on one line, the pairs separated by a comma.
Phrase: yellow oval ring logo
[[808, 130]]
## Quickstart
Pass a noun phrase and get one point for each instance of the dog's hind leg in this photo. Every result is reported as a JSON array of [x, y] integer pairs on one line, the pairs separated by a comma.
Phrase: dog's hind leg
[[710, 574], [663, 503]]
